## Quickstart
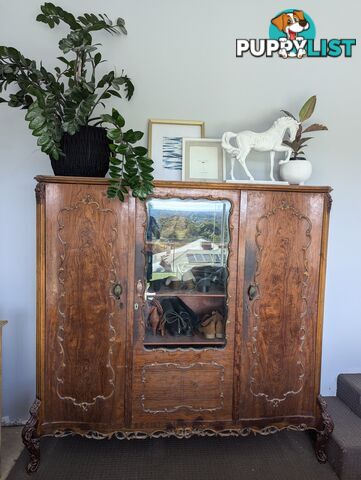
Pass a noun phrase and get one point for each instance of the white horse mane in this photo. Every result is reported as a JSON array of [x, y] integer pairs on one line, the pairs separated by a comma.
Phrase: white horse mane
[[282, 120], [268, 141]]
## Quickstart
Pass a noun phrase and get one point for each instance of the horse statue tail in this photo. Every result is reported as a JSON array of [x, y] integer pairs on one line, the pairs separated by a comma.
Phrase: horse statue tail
[[226, 145]]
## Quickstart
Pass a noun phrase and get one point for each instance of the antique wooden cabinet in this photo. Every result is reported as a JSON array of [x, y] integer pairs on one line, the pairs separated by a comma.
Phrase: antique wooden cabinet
[[197, 312]]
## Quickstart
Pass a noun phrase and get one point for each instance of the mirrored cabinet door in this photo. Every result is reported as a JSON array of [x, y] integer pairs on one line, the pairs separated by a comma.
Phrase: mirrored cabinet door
[[186, 272]]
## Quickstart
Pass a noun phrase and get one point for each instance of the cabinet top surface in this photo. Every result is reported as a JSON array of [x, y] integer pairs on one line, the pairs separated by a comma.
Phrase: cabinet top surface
[[191, 185]]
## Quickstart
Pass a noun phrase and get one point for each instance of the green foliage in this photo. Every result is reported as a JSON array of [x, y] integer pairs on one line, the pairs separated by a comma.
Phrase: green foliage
[[299, 143], [45, 124], [129, 165], [65, 100], [308, 109]]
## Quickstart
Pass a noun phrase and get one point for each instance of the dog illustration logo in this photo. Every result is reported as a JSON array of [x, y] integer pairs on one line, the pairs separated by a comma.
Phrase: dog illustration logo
[[292, 26]]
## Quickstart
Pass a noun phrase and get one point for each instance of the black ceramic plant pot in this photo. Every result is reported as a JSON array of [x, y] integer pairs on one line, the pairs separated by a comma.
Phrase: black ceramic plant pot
[[86, 154]]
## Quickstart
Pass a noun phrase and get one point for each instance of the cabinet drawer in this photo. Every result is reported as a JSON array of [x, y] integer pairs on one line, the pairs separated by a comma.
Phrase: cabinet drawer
[[170, 387]]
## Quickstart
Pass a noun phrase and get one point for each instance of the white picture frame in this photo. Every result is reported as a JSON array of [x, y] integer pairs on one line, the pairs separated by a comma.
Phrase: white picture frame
[[165, 145], [203, 160]]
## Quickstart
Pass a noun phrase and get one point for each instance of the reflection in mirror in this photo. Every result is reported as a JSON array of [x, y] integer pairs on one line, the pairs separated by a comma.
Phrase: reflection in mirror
[[187, 242], [186, 269]]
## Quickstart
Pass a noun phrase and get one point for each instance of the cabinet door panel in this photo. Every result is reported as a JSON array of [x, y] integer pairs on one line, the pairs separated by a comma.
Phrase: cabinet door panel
[[282, 254], [180, 378], [86, 251]]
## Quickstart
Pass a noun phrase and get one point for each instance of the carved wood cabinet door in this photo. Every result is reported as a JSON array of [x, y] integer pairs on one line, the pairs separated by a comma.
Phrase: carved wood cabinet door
[[186, 267], [84, 326], [281, 247]]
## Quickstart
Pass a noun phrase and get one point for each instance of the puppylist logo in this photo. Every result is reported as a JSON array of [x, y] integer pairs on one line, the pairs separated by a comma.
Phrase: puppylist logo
[[292, 34]]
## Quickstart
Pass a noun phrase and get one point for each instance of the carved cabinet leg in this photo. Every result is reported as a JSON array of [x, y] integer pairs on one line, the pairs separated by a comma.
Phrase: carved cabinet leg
[[31, 439], [324, 434]]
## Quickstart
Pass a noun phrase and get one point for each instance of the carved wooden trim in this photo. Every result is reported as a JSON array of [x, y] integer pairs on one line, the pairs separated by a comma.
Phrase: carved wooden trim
[[302, 330], [197, 365], [198, 185], [184, 432], [40, 192], [31, 439], [323, 435], [86, 201], [230, 252], [329, 201]]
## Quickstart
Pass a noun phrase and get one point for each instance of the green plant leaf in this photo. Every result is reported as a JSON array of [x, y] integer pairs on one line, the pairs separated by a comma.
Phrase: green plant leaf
[[129, 88], [114, 93], [114, 175], [115, 161], [308, 109], [118, 119], [114, 134], [112, 192], [122, 149], [45, 124], [120, 195], [77, 109], [141, 151], [52, 15], [37, 122]]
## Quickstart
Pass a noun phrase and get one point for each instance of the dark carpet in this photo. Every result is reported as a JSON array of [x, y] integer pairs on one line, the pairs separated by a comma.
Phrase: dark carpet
[[284, 456]]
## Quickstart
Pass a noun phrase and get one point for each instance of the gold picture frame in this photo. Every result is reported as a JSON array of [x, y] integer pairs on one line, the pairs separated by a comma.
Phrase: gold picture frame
[[165, 145]]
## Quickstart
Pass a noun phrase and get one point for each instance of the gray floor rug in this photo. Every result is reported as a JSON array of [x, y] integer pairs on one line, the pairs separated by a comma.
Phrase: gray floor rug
[[284, 456]]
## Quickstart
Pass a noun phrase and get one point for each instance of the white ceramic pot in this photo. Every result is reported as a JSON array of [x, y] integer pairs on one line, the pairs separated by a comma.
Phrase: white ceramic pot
[[296, 172]]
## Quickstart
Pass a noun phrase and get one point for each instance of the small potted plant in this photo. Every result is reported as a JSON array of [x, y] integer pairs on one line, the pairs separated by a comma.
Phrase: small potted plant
[[298, 170], [60, 106]]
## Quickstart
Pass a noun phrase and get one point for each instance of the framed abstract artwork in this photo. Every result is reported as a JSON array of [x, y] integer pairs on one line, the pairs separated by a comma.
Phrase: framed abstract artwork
[[165, 145], [203, 160]]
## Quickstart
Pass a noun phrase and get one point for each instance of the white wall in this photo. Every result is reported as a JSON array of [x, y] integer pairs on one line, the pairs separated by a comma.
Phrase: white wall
[[181, 56]]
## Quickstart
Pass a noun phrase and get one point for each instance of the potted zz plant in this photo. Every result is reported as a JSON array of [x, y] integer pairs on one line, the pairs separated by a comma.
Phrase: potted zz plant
[[298, 170], [60, 106]]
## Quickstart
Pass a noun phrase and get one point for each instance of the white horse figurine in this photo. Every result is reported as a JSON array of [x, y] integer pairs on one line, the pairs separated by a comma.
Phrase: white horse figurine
[[269, 141]]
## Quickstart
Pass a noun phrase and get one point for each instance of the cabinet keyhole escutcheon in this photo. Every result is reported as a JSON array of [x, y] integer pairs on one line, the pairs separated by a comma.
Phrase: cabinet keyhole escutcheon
[[117, 290], [252, 292]]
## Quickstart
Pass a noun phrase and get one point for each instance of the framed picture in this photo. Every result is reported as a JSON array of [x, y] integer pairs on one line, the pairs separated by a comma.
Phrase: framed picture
[[165, 145], [203, 160]]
